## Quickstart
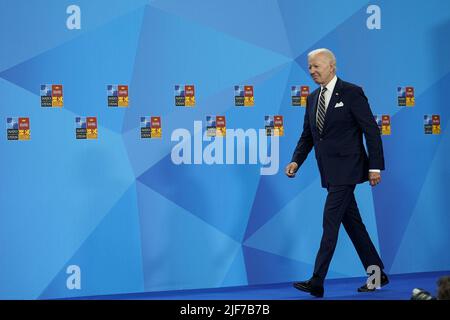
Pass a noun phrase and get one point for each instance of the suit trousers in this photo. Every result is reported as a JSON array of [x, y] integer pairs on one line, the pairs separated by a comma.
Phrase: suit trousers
[[341, 207]]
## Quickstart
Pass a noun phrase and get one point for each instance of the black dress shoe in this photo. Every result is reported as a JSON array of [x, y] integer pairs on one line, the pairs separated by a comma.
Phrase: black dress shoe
[[307, 286], [384, 281]]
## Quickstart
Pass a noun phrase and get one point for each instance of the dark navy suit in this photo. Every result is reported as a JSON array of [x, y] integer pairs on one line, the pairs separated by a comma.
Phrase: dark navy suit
[[343, 163]]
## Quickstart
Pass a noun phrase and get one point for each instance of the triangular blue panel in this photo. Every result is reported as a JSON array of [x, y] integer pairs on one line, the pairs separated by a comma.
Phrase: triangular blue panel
[[237, 274], [43, 25], [309, 20], [110, 259], [249, 20], [199, 256], [264, 267]]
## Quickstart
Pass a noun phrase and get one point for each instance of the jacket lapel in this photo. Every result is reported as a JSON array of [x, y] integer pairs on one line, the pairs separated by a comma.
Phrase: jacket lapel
[[314, 100]]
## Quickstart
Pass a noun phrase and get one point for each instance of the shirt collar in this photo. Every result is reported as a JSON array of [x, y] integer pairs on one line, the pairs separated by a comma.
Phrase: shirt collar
[[330, 86]]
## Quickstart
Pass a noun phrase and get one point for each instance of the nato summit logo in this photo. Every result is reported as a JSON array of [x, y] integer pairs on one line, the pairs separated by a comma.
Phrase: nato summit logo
[[274, 125], [405, 96], [86, 128], [432, 124], [117, 95], [18, 128], [184, 95], [52, 95], [244, 96], [299, 95], [150, 127], [383, 123], [216, 126]]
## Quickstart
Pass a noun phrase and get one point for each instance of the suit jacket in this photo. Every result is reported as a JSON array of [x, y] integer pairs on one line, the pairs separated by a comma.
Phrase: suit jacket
[[339, 149]]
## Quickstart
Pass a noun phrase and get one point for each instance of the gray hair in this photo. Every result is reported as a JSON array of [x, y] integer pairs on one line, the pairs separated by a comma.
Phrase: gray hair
[[326, 52]]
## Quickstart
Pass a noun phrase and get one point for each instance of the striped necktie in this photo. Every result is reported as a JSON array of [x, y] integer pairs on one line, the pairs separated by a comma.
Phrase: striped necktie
[[321, 110]]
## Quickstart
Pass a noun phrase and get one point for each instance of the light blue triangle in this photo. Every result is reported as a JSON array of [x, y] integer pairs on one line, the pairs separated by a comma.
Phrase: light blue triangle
[[264, 267], [245, 20], [110, 259], [307, 21], [43, 25], [237, 274], [179, 250]]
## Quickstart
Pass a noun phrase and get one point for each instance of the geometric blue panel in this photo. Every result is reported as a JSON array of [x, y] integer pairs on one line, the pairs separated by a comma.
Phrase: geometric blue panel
[[260, 266], [187, 185], [110, 258], [187, 260], [237, 274], [217, 14], [308, 20], [43, 25]]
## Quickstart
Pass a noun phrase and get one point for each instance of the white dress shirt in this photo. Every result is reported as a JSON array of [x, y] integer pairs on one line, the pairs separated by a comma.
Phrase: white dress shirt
[[330, 88]]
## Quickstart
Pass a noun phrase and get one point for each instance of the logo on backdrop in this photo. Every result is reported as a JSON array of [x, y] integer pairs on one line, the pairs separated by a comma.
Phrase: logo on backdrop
[[405, 96], [299, 95], [18, 128], [243, 96], [117, 95], [185, 95], [274, 125], [432, 124], [86, 128], [52, 95], [150, 127], [216, 126], [228, 146]]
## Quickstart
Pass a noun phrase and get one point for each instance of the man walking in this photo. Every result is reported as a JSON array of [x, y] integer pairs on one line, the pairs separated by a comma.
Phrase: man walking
[[336, 118]]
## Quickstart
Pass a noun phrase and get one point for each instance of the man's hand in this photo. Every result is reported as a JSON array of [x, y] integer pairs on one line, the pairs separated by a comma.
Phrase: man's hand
[[291, 169], [374, 178]]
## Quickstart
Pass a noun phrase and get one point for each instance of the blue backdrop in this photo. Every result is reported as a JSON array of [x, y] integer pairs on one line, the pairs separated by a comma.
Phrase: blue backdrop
[[131, 220]]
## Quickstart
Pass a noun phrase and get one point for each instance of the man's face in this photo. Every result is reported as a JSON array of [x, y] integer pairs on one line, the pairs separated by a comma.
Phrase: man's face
[[321, 69]]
